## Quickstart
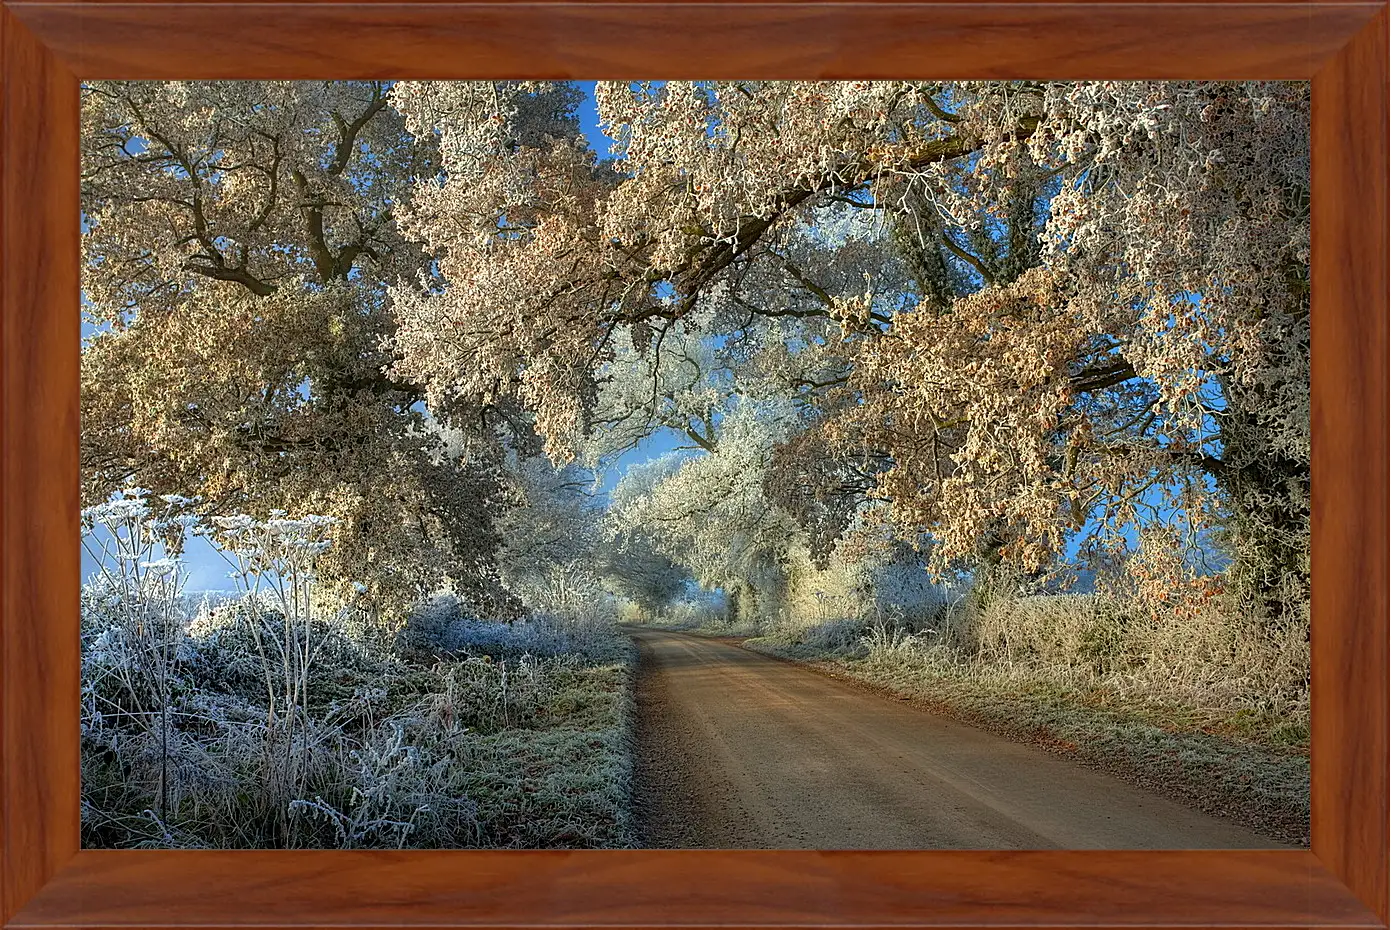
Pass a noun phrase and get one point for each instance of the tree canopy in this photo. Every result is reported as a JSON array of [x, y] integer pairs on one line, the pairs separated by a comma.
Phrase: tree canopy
[[1006, 324]]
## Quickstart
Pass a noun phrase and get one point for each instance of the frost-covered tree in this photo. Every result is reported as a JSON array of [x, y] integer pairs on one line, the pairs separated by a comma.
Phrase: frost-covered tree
[[550, 532], [708, 513], [1146, 356], [678, 382], [1003, 313], [240, 238], [1078, 306], [632, 567]]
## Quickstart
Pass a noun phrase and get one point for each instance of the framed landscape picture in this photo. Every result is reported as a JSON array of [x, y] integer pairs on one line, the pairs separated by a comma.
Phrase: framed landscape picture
[[703, 464]]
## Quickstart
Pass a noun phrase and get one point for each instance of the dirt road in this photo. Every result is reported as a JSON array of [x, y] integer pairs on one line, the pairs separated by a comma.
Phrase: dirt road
[[738, 750]]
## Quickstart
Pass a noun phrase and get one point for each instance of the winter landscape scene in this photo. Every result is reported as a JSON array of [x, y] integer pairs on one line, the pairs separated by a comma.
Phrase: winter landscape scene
[[714, 464]]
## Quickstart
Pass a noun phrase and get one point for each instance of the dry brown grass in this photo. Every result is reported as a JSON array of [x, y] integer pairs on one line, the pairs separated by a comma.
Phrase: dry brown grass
[[1211, 707]]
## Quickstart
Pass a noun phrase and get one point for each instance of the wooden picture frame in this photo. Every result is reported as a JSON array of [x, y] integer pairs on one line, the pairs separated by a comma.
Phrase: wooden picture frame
[[46, 881]]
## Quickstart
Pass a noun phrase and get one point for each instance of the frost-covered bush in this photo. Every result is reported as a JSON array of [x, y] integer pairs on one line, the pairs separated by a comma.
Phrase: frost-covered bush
[[845, 634], [884, 641], [277, 718], [444, 624], [1218, 657], [833, 608], [696, 614]]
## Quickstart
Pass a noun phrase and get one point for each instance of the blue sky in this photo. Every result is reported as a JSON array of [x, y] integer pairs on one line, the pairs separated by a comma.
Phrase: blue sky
[[589, 121]]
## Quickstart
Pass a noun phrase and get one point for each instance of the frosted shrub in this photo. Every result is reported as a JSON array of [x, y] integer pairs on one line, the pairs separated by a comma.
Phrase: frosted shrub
[[698, 614], [189, 710], [280, 718], [446, 625], [1218, 657], [829, 632], [431, 627], [886, 641]]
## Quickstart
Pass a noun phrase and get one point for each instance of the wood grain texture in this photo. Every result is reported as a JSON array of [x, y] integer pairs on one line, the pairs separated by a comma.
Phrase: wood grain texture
[[725, 3], [1349, 480], [696, 889], [1335, 885], [701, 40], [38, 464]]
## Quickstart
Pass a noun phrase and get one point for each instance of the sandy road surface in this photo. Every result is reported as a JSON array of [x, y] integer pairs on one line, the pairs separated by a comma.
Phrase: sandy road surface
[[738, 750]]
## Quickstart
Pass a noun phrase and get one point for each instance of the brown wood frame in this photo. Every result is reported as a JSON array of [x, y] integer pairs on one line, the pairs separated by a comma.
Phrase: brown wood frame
[[46, 881]]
